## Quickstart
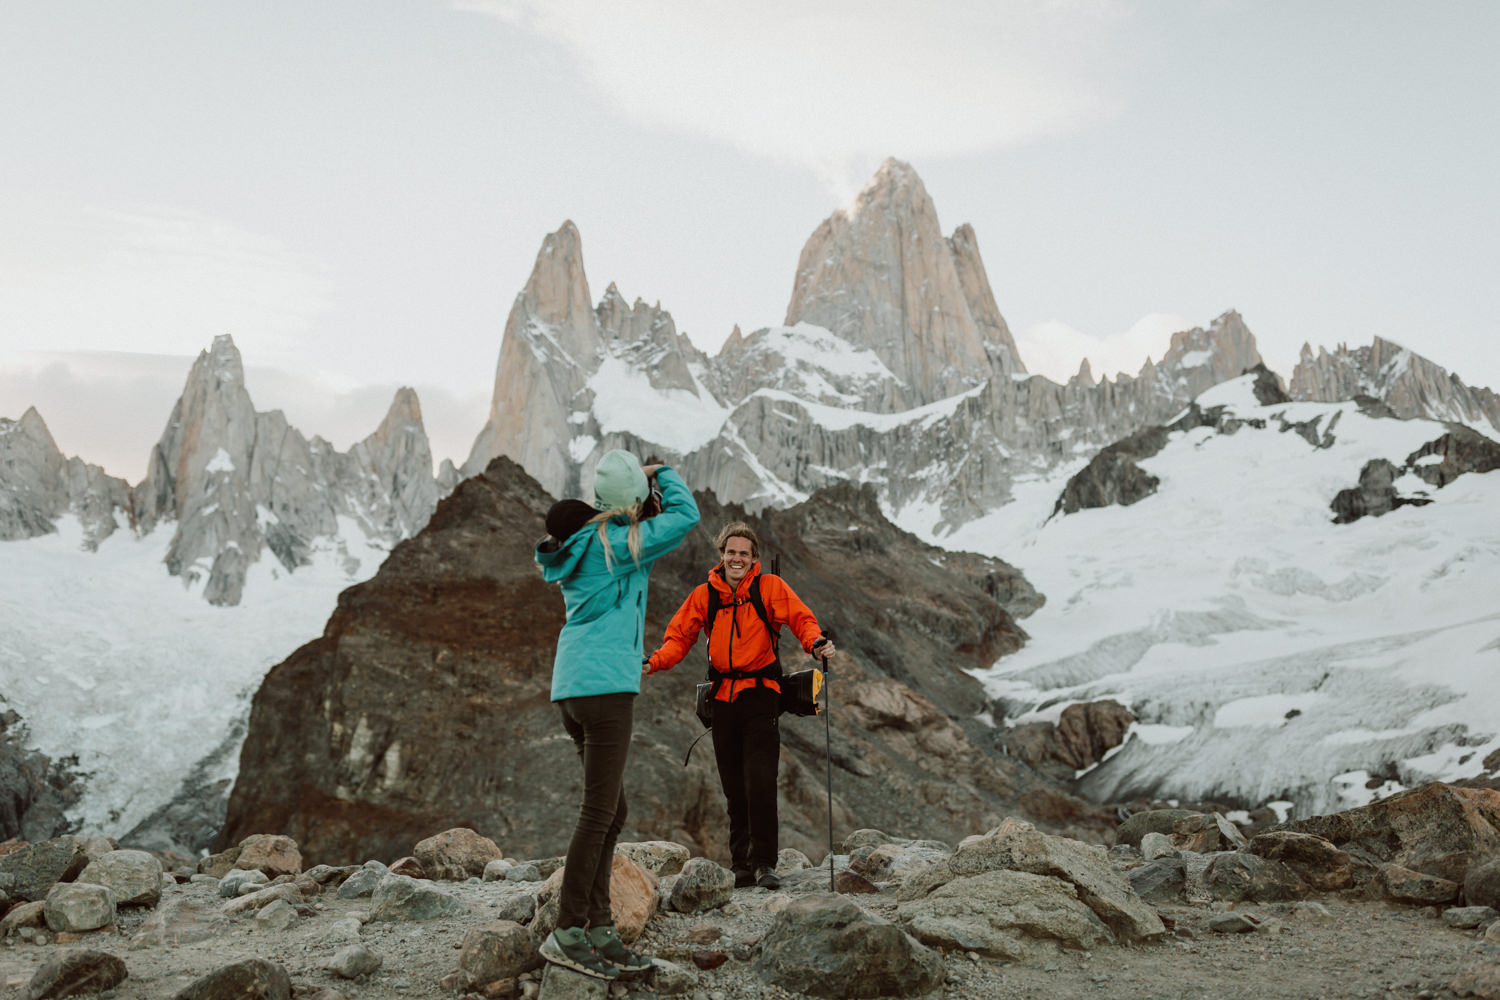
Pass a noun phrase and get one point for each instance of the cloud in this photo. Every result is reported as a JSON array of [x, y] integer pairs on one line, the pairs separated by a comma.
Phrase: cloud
[[1055, 349], [835, 87], [158, 280]]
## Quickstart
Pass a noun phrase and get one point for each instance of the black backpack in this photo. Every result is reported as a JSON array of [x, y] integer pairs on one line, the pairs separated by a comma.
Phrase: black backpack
[[799, 690]]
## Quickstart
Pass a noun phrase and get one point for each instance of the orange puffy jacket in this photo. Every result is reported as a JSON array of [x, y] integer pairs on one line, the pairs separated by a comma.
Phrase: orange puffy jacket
[[739, 639]]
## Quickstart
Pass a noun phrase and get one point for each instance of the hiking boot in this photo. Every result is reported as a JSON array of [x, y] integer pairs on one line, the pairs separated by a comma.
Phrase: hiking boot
[[570, 947], [606, 941], [744, 878], [765, 877]]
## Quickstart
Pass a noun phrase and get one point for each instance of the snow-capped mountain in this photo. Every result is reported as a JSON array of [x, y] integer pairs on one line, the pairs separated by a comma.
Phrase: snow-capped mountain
[[1268, 652], [136, 622]]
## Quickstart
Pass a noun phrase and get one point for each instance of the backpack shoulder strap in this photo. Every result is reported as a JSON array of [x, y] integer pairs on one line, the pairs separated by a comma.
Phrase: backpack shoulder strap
[[758, 601]]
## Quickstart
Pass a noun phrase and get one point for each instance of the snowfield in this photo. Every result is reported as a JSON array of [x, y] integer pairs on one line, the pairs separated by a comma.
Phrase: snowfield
[[108, 659], [1268, 653]]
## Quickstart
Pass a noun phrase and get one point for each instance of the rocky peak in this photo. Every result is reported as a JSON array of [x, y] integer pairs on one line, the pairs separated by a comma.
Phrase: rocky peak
[[556, 295], [882, 276], [392, 480], [1408, 383], [39, 484]]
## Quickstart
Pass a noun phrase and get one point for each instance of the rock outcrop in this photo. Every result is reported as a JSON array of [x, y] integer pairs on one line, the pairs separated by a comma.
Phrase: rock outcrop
[[424, 705]]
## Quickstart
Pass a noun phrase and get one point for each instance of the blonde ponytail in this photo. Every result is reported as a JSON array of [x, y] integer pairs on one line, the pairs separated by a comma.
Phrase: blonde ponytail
[[632, 536]]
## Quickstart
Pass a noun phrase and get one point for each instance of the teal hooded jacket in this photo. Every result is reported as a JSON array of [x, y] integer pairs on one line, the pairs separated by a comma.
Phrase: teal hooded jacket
[[600, 646]]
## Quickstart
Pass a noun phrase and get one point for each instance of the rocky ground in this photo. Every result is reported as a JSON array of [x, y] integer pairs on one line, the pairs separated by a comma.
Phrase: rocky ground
[[1340, 945]]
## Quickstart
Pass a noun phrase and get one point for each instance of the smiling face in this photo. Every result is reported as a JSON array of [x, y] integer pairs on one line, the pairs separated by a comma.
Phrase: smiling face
[[738, 555]]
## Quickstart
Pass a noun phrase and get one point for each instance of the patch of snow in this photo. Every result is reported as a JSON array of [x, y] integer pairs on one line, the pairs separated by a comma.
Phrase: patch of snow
[[581, 447], [221, 462], [1195, 359], [626, 401]]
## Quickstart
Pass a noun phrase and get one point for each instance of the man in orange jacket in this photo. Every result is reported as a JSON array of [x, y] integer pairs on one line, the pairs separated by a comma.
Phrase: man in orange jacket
[[746, 694]]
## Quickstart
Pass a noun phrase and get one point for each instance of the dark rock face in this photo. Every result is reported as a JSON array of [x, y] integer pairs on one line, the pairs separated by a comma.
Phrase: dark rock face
[[35, 868], [424, 705], [1083, 735], [1112, 477], [1375, 495], [34, 789], [1462, 450], [1267, 388]]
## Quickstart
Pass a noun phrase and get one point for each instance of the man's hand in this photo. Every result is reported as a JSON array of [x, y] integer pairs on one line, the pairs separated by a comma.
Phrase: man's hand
[[645, 665], [823, 649]]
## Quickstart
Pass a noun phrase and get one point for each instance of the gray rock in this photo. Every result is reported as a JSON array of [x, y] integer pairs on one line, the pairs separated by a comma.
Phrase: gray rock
[[353, 961], [236, 881], [1468, 917], [41, 485], [1004, 914], [1482, 882], [251, 979], [35, 868], [501, 950], [559, 983], [827, 946], [258, 899], [702, 885], [1406, 886], [1019, 846], [789, 859], [1159, 881], [180, 920], [524, 872], [495, 870], [1232, 923], [361, 883], [398, 897], [277, 915], [517, 906], [73, 972], [660, 857], [1157, 845], [1234, 877], [78, 906], [1152, 821], [135, 877], [670, 979]]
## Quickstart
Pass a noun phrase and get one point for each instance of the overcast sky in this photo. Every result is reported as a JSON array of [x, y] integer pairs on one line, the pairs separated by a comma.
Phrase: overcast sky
[[356, 189]]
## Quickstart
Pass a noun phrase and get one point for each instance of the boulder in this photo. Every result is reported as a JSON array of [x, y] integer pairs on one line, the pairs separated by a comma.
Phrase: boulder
[[501, 950], [1435, 828], [251, 979], [826, 946], [1314, 860], [399, 897], [237, 882], [133, 876], [1019, 846], [1466, 918], [659, 857], [1235, 877], [1004, 914], [1482, 982], [1407, 886], [1482, 883], [270, 853], [277, 915], [1206, 833], [362, 882], [36, 868], [261, 898], [1157, 845], [353, 961], [1159, 881], [1151, 821], [180, 920], [456, 854], [894, 862], [702, 885], [72, 972], [78, 906], [220, 864]]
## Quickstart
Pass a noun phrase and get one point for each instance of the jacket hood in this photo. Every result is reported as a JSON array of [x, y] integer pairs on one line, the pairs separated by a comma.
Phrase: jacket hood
[[717, 581]]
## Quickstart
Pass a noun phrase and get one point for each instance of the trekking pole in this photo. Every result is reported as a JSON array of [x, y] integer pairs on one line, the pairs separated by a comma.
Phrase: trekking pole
[[828, 758]]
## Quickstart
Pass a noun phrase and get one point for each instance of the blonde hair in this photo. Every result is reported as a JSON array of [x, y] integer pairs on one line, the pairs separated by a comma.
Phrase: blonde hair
[[738, 529], [632, 536]]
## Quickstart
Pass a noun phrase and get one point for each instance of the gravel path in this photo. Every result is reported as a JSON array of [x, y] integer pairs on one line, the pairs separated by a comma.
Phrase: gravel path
[[1357, 949]]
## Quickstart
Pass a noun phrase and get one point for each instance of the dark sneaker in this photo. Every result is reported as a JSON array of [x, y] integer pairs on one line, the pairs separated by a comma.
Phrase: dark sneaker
[[765, 877], [570, 947], [606, 941], [744, 878]]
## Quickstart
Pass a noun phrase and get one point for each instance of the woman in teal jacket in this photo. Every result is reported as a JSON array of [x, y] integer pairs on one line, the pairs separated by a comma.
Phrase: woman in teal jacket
[[602, 558]]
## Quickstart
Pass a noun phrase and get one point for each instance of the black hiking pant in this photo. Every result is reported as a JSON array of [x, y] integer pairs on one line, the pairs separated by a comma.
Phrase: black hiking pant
[[747, 747], [600, 726]]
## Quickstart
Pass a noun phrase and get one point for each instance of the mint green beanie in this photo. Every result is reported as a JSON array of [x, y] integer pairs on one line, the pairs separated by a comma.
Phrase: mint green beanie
[[619, 481]]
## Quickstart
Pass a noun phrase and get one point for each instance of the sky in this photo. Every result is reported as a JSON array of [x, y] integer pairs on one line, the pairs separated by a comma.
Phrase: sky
[[356, 190]]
